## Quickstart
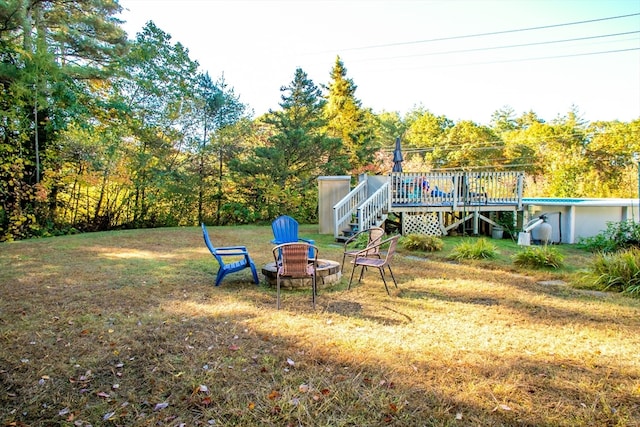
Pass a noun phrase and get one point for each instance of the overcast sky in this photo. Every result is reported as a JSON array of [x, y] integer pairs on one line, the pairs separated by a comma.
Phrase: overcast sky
[[461, 59]]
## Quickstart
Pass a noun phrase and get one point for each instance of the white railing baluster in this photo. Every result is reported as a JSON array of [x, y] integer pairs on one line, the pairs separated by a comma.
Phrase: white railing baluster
[[456, 188]]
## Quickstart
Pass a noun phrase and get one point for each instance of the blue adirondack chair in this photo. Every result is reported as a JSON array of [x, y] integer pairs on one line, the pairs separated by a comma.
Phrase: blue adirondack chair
[[285, 230], [230, 251]]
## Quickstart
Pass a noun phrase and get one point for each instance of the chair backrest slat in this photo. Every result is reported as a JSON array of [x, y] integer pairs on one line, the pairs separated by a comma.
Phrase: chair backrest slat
[[295, 259], [210, 246], [285, 229], [375, 236], [393, 243]]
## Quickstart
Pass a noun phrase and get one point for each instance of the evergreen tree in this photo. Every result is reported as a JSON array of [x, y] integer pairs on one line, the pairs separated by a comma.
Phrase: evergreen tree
[[503, 120], [280, 175], [158, 86], [470, 145], [53, 54], [219, 110], [348, 121]]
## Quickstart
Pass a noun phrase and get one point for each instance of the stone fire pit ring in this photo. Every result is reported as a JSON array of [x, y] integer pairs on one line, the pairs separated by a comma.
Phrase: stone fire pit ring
[[328, 272]]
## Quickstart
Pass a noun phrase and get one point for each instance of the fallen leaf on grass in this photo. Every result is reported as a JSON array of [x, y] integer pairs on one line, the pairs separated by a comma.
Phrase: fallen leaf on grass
[[200, 389], [274, 395], [160, 406], [251, 406]]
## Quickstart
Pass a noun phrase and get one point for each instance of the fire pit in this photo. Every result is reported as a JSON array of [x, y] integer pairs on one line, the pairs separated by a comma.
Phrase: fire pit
[[328, 273]]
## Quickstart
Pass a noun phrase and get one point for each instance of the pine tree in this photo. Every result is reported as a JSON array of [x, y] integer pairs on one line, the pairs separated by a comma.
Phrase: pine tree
[[281, 174], [348, 121]]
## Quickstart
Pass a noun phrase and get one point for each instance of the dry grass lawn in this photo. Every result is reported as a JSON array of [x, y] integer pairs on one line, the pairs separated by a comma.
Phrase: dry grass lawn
[[126, 328]]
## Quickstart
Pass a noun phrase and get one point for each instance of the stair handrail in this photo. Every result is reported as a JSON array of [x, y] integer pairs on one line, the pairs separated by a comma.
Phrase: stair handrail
[[344, 210], [373, 208]]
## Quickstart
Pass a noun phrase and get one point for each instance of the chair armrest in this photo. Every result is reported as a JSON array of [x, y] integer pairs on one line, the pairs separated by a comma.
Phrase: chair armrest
[[352, 238], [364, 252], [236, 250]]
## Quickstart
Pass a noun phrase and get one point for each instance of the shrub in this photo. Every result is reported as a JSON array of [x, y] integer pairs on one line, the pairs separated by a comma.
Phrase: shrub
[[539, 257], [506, 220], [474, 249], [361, 241], [618, 235], [619, 271], [421, 242]]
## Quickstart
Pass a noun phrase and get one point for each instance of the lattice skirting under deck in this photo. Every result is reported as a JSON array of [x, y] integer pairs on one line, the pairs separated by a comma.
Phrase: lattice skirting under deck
[[426, 223]]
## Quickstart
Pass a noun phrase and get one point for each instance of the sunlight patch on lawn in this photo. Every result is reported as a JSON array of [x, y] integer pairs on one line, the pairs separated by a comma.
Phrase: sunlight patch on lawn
[[139, 254], [217, 308]]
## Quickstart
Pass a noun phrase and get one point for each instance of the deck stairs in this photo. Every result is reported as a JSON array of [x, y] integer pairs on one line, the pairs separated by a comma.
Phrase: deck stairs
[[365, 206]]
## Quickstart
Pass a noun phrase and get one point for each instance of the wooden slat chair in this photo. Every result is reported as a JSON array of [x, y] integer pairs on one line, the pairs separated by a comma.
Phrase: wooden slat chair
[[240, 253], [375, 236], [293, 261], [362, 260]]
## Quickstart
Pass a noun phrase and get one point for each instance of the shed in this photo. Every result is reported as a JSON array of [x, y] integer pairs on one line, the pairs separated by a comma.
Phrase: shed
[[575, 218]]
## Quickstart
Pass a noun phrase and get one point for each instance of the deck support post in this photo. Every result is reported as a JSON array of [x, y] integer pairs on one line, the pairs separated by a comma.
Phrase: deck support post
[[475, 223]]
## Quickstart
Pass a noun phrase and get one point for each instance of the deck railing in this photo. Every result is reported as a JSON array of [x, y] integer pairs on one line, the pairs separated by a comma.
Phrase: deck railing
[[441, 190], [457, 188]]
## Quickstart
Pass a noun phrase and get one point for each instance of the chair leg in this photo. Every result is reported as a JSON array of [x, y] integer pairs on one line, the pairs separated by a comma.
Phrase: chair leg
[[221, 273], [364, 267], [393, 277], [344, 258], [278, 292], [384, 280], [254, 272], [313, 291], [351, 278]]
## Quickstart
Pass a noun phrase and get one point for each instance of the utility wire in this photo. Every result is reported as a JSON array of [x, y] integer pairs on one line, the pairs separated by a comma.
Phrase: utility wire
[[540, 58], [480, 49], [493, 33]]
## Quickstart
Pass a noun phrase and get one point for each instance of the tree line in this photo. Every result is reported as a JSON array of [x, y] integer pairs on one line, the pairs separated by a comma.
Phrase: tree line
[[99, 131]]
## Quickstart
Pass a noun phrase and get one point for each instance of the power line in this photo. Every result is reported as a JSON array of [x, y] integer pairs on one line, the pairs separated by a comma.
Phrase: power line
[[480, 49], [493, 33], [540, 58]]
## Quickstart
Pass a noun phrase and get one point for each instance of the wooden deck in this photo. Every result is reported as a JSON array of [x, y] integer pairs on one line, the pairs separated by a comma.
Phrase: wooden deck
[[452, 191], [452, 198]]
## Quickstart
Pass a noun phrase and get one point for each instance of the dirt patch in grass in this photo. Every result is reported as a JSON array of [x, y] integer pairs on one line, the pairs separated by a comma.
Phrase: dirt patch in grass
[[126, 328]]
